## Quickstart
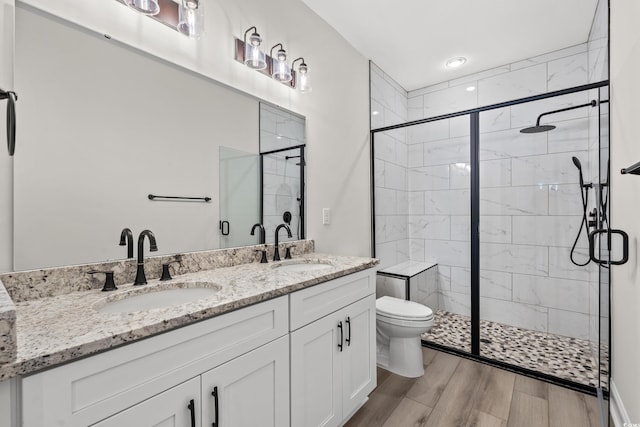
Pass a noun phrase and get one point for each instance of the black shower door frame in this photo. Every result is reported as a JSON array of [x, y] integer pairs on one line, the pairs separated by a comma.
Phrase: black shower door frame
[[474, 116]]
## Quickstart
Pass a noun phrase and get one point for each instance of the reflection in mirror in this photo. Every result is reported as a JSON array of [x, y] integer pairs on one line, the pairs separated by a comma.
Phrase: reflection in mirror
[[103, 126], [239, 197], [282, 148]]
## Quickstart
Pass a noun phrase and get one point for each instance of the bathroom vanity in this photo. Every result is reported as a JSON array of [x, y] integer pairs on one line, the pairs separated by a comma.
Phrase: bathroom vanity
[[290, 343]]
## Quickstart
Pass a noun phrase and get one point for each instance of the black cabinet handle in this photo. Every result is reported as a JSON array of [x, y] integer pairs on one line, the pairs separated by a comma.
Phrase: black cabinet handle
[[341, 339], [348, 340], [214, 393], [192, 409]]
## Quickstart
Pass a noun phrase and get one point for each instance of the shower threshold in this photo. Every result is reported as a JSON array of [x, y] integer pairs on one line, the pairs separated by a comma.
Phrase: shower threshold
[[563, 357]]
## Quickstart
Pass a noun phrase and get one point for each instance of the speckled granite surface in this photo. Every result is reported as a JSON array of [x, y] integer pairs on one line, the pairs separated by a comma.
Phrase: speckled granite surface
[[49, 282], [56, 329], [7, 327]]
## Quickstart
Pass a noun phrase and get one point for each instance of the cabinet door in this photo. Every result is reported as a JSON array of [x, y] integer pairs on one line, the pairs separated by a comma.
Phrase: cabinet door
[[252, 390], [168, 409], [316, 392], [359, 357]]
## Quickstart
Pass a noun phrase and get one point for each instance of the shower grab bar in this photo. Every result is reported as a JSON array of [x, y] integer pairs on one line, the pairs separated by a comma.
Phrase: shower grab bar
[[154, 197]]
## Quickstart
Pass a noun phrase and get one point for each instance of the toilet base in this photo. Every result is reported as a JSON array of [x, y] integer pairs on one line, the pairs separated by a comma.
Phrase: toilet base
[[402, 356]]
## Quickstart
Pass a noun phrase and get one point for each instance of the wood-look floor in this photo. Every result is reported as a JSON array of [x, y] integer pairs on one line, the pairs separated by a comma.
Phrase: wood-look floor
[[459, 392]]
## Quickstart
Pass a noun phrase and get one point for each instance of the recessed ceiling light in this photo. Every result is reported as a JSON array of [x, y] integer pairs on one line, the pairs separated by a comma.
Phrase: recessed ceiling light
[[375, 113], [455, 62], [471, 88]]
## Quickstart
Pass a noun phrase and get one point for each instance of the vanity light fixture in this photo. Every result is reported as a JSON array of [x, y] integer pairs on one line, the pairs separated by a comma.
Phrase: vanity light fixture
[[280, 70], [274, 64], [191, 18], [301, 77], [147, 7], [254, 56], [456, 62]]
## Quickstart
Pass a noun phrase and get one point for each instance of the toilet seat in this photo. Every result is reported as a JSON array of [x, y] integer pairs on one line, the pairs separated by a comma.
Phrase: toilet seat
[[402, 310]]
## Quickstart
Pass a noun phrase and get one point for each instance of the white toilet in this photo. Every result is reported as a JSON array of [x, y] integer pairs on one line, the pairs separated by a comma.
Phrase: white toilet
[[399, 324]]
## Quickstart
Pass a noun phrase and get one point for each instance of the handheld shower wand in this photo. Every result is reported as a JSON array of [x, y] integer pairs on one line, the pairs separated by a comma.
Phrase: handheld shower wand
[[584, 193]]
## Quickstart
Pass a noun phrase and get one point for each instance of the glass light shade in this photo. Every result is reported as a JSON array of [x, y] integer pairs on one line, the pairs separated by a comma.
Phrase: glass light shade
[[191, 18], [148, 7], [303, 81], [254, 57], [281, 70]]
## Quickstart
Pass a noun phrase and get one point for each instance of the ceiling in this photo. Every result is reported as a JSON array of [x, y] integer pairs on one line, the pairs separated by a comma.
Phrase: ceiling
[[412, 39]]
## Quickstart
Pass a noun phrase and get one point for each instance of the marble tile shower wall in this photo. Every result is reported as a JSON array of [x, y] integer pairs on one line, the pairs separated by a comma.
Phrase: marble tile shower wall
[[530, 200], [389, 107], [281, 176], [530, 197]]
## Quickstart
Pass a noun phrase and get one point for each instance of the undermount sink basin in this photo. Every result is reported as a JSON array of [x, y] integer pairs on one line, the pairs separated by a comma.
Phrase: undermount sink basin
[[302, 266], [143, 299]]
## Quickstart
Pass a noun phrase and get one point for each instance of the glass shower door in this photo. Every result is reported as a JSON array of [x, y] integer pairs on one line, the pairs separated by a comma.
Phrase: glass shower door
[[535, 275], [239, 197]]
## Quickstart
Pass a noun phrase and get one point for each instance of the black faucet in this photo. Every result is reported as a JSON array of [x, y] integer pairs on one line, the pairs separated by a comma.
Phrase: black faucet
[[276, 252], [141, 279], [263, 237], [126, 238]]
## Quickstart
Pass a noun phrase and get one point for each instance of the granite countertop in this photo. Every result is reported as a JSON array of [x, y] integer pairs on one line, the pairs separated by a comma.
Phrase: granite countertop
[[62, 328]]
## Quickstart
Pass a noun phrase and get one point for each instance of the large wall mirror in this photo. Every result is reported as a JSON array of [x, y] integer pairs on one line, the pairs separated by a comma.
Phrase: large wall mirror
[[102, 126]]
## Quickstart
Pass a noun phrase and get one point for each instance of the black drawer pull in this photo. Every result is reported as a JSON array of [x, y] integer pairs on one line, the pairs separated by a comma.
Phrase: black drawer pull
[[214, 393], [192, 409], [348, 340], [341, 338]]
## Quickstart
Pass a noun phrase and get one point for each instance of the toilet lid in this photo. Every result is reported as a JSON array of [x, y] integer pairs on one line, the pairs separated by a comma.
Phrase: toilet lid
[[402, 309]]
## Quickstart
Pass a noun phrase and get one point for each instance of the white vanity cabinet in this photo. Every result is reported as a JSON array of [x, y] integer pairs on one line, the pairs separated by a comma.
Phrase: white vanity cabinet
[[251, 390], [333, 365], [306, 359], [159, 372], [177, 407]]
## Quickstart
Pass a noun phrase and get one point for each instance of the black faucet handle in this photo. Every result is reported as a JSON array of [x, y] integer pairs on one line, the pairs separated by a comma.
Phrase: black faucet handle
[[287, 254], [166, 274], [263, 259], [109, 283]]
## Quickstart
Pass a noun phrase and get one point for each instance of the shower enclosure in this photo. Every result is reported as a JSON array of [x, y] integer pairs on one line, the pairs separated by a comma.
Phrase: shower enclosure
[[503, 213]]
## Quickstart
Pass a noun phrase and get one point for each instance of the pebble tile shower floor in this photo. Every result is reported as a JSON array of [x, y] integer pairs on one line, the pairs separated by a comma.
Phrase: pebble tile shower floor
[[563, 357]]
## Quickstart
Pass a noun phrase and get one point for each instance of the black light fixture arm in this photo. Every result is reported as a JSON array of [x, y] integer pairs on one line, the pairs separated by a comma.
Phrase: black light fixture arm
[[593, 103], [255, 31], [271, 51]]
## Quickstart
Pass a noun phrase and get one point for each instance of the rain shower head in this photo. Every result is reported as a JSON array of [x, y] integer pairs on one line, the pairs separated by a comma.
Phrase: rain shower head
[[538, 128]]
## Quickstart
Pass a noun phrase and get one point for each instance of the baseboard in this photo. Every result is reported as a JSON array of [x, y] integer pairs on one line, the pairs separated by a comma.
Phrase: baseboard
[[617, 411]]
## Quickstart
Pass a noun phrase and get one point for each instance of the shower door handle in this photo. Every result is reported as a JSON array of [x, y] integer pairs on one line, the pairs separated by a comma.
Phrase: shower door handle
[[592, 246], [223, 229]]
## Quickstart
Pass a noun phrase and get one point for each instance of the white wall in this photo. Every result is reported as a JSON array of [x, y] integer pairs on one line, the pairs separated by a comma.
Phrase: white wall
[[336, 110], [625, 198], [6, 162]]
